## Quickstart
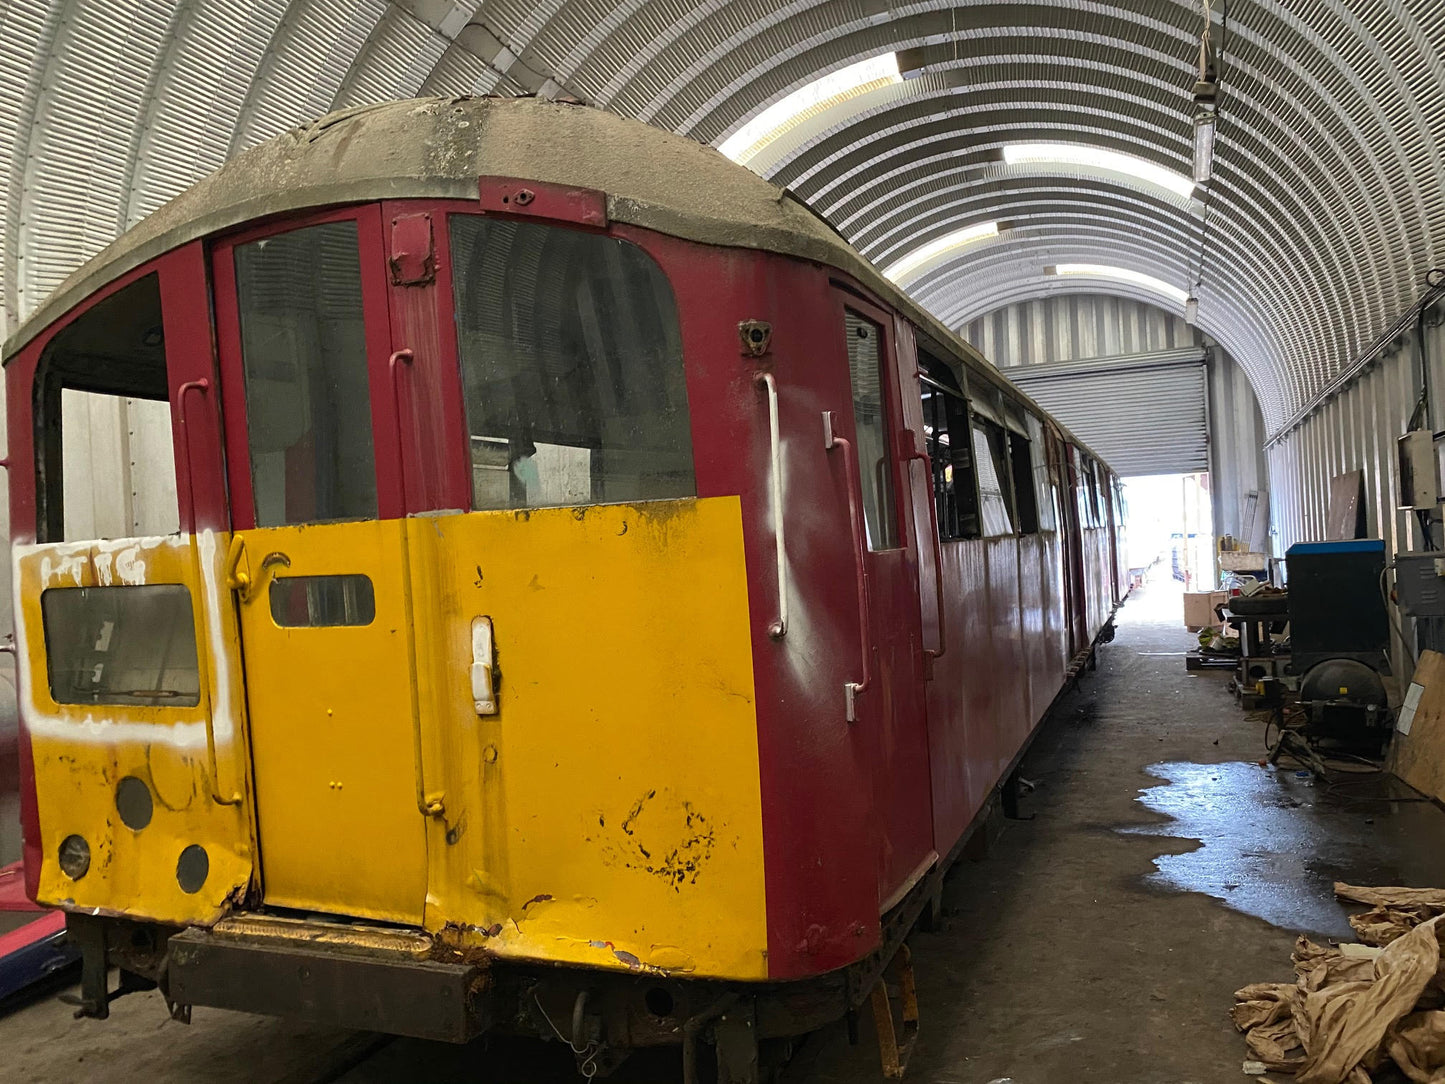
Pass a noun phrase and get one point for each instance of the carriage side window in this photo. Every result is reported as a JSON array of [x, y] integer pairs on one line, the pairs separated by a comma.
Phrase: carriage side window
[[945, 428], [1091, 474], [1026, 500], [105, 462], [875, 473], [303, 349], [1044, 480], [121, 645], [572, 368], [990, 452]]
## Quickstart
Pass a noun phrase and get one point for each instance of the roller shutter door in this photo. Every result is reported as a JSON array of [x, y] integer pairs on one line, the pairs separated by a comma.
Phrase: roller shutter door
[[1147, 414]]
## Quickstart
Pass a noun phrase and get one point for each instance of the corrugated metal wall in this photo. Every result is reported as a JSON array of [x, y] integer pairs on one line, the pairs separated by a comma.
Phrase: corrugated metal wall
[[1239, 471], [1074, 327], [1356, 429]]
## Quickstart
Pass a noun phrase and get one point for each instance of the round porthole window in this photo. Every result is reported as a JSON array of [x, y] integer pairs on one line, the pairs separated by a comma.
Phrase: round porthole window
[[133, 803], [74, 857], [193, 867]]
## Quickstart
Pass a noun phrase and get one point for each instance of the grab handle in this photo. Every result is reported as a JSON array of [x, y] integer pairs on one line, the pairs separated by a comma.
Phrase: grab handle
[[937, 541], [399, 358], [779, 628], [203, 386], [831, 440]]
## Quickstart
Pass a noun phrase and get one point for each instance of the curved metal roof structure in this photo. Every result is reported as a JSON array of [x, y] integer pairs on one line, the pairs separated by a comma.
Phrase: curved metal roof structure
[[1323, 216]]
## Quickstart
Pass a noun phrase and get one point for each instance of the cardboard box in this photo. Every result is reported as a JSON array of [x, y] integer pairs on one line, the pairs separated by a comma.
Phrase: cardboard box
[[1199, 608]]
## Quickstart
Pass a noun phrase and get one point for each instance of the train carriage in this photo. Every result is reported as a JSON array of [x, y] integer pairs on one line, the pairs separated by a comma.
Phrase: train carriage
[[564, 586]]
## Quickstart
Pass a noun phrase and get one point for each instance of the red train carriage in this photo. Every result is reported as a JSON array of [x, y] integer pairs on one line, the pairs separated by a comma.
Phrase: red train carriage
[[550, 544]]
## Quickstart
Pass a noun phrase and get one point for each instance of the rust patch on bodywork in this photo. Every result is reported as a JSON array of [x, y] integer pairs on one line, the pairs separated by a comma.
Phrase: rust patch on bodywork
[[668, 839]]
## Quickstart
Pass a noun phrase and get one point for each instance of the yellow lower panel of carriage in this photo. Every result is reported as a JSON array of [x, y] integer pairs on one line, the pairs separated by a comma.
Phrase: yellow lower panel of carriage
[[82, 752], [609, 813]]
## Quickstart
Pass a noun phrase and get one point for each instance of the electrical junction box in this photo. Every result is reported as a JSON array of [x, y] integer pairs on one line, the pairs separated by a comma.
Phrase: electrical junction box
[[1420, 583], [1419, 475]]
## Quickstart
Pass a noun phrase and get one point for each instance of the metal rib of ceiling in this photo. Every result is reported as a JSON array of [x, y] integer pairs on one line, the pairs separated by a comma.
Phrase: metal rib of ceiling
[[1325, 213]]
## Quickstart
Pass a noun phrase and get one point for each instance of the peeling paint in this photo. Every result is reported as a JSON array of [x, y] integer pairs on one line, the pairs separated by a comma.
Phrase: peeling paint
[[670, 841]]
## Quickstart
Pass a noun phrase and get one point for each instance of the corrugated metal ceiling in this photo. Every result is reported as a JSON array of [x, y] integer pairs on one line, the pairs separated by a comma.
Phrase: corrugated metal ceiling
[[1325, 213]]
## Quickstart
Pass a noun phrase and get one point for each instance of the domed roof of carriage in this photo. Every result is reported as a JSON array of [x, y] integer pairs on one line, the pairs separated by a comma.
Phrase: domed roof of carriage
[[439, 147]]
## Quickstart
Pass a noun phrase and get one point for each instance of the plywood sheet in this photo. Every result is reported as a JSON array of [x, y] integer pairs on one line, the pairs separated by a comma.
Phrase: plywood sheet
[[1417, 755], [1346, 517]]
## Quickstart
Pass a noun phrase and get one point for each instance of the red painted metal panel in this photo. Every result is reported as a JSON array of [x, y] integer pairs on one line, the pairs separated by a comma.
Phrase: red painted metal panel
[[539, 199], [195, 389], [820, 837], [435, 458], [961, 743], [1010, 722], [31, 932], [12, 890], [411, 248], [1033, 602]]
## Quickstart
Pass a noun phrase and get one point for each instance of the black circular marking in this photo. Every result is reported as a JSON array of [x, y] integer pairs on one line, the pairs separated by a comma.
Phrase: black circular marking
[[74, 857], [133, 803], [192, 869]]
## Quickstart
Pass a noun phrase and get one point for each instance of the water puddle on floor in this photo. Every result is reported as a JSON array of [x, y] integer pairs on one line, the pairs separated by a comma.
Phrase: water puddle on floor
[[1273, 842]]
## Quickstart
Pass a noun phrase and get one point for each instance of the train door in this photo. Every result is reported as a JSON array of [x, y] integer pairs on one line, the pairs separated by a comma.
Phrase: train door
[[891, 706], [1073, 532], [318, 566]]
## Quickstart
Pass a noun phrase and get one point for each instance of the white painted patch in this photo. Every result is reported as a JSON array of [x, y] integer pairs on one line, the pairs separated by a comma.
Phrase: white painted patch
[[214, 597], [67, 564]]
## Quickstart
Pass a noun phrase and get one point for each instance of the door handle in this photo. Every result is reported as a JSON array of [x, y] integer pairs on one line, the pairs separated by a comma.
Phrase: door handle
[[484, 686], [831, 440], [237, 579], [937, 542]]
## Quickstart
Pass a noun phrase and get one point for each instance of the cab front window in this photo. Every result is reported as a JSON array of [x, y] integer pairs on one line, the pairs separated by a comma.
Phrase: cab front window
[[572, 370]]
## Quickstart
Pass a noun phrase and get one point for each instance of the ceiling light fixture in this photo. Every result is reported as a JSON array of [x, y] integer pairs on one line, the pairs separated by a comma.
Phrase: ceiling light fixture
[[1099, 159], [1121, 274], [1206, 106], [820, 94], [925, 255], [1191, 310]]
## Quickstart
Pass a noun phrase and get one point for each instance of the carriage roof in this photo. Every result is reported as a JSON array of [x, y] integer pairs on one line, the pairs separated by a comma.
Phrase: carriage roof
[[438, 147]]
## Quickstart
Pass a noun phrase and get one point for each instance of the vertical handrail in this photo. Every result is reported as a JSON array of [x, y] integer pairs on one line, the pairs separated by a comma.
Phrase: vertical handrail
[[831, 440], [937, 553], [428, 806], [394, 364], [779, 628], [203, 385]]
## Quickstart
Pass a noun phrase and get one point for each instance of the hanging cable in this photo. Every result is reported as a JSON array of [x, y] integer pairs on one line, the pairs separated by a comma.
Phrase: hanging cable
[[1205, 120]]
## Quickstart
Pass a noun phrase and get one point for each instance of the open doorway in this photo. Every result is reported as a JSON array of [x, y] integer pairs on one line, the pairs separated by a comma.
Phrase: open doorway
[[1170, 534]]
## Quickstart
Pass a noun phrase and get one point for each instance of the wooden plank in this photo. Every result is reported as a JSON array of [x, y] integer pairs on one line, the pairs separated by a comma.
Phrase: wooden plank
[[1417, 755]]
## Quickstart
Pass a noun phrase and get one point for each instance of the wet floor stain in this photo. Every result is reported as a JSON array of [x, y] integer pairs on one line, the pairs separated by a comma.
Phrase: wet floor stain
[[1273, 841]]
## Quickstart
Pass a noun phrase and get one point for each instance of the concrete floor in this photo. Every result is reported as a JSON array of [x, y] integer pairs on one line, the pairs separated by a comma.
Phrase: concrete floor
[[1100, 941]]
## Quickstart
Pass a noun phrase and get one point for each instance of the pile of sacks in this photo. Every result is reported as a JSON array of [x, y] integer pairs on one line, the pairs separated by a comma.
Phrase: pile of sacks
[[1357, 1008]]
